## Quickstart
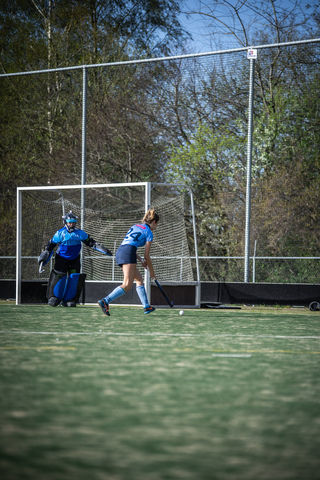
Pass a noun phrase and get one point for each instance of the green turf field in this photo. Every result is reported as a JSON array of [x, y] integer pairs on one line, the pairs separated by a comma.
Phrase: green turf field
[[213, 394]]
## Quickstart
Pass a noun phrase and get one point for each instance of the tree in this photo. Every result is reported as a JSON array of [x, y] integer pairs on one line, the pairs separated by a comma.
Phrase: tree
[[205, 165], [285, 171], [41, 114]]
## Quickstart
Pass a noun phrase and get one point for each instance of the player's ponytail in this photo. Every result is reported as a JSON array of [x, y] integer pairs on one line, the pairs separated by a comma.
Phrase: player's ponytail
[[150, 216]]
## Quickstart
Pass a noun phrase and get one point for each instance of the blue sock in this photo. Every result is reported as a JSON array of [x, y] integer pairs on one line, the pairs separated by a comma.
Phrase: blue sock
[[141, 291], [116, 293]]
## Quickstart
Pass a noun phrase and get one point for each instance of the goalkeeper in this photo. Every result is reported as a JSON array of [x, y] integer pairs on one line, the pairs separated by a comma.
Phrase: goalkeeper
[[66, 281]]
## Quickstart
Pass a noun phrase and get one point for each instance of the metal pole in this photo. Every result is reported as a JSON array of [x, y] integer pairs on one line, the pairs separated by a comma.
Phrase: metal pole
[[198, 287], [161, 59], [254, 262], [249, 162], [83, 153], [18, 247], [147, 201]]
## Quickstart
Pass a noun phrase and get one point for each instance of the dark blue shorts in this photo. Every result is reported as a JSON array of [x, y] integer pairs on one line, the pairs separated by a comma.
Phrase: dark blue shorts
[[126, 254]]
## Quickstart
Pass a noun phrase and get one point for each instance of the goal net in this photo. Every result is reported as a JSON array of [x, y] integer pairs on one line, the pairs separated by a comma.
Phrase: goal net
[[106, 212]]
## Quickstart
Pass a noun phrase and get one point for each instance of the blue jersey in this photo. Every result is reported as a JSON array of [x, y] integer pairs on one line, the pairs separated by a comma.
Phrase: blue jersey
[[69, 242], [138, 235]]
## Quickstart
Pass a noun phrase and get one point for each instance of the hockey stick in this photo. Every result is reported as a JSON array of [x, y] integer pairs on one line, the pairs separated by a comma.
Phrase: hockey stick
[[171, 304], [100, 248]]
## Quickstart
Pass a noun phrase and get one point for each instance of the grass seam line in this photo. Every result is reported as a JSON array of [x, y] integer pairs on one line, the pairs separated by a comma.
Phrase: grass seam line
[[297, 337]]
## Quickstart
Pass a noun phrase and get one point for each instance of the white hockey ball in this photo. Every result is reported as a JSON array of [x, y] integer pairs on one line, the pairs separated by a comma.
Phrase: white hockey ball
[[181, 312]]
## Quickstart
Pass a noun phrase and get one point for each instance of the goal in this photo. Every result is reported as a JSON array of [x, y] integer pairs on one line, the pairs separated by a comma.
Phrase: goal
[[106, 212]]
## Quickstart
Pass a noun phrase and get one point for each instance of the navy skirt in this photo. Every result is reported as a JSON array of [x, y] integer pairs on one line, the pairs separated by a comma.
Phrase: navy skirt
[[126, 254]]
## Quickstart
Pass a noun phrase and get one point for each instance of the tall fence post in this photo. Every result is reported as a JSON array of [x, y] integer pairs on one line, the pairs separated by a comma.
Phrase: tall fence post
[[251, 55], [147, 205], [83, 152]]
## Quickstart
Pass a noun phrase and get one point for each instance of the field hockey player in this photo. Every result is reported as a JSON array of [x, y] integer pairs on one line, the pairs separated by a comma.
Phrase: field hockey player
[[139, 235]]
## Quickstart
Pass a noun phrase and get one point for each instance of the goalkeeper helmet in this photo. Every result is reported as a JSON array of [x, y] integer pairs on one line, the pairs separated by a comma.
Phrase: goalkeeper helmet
[[70, 221]]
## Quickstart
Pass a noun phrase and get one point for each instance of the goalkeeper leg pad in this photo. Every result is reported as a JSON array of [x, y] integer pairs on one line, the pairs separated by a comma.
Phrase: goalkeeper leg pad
[[56, 287], [73, 289]]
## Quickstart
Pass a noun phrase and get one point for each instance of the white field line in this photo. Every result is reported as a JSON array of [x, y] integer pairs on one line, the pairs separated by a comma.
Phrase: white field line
[[161, 334], [236, 355]]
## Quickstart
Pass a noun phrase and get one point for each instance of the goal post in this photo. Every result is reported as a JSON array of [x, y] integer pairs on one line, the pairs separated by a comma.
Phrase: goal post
[[106, 212]]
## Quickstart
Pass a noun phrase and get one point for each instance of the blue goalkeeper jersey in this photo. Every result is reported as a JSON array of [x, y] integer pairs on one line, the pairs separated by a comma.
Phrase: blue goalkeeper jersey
[[69, 242], [138, 235]]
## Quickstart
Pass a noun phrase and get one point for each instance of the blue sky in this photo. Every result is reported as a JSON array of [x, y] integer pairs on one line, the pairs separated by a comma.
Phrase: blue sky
[[196, 24]]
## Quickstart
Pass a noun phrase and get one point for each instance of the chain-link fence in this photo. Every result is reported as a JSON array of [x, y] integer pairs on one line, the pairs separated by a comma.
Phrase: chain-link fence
[[188, 117], [228, 269]]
